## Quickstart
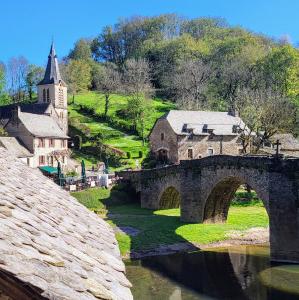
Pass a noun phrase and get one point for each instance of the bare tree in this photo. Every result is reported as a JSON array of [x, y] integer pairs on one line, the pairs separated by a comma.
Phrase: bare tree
[[137, 84], [107, 80], [265, 113], [17, 73], [189, 84]]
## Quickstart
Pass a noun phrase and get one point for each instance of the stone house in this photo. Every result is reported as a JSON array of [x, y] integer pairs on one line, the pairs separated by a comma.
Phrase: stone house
[[41, 127], [181, 135], [51, 246]]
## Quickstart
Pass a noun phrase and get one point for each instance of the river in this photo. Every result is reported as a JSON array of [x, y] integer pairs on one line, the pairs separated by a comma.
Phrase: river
[[239, 272]]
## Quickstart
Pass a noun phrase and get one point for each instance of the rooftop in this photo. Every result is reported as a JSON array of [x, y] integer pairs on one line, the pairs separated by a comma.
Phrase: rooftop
[[14, 147], [52, 73], [221, 122], [41, 125], [51, 246]]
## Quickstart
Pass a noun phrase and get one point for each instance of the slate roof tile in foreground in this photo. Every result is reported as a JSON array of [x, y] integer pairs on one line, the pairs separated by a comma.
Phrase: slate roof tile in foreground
[[52, 243]]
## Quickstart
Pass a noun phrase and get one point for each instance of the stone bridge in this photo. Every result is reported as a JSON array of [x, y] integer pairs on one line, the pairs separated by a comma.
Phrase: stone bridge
[[204, 188]]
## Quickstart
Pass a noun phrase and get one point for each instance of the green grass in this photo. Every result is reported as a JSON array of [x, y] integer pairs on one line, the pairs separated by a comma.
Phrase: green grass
[[112, 136], [162, 227], [119, 102]]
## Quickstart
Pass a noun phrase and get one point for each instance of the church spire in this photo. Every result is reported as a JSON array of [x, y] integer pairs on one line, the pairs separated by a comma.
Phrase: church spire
[[52, 74]]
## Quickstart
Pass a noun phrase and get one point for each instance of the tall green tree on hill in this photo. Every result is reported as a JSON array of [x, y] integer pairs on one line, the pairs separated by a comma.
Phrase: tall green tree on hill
[[137, 84], [33, 77], [107, 80], [81, 51], [77, 74]]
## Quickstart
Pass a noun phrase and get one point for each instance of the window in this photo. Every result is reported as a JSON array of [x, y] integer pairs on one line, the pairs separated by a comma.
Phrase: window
[[48, 95], [41, 143], [190, 153], [51, 143], [41, 160], [28, 161], [210, 151], [51, 160], [162, 136], [205, 128], [63, 159], [61, 115], [44, 95], [63, 143]]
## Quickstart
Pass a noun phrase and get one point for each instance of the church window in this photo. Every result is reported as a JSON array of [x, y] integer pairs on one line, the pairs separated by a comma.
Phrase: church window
[[48, 95], [44, 95], [162, 136], [190, 153]]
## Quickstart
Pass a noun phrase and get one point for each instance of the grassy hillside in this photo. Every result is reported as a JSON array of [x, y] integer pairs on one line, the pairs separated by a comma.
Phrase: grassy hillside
[[88, 110]]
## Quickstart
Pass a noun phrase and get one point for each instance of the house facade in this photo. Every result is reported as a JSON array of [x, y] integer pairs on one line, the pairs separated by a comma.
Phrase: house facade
[[41, 128], [181, 135]]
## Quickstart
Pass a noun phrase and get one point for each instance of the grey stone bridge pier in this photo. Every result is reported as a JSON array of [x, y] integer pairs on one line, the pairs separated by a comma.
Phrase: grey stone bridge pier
[[204, 188]]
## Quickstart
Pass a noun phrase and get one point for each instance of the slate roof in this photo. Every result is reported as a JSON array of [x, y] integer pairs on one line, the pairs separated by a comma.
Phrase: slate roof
[[221, 122], [34, 108], [52, 73], [51, 244], [41, 125], [14, 147]]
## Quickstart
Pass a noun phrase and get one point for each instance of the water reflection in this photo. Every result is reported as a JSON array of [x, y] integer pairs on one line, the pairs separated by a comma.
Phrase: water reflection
[[232, 273]]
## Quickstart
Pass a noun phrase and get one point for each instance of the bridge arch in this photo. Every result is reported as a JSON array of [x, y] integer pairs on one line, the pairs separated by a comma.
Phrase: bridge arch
[[220, 195], [169, 198]]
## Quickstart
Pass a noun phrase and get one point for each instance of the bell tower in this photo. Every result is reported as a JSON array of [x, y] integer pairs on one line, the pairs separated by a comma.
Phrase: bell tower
[[52, 89]]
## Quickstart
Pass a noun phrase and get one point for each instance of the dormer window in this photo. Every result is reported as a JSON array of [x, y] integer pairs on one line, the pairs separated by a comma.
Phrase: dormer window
[[235, 129], [205, 128]]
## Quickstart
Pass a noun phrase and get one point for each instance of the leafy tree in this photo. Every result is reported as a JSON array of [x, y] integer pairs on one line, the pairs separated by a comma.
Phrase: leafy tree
[[137, 84], [265, 113], [78, 76], [107, 80], [33, 77], [189, 84], [81, 51]]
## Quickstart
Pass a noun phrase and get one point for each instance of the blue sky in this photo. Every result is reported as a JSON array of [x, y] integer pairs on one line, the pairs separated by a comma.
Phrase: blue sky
[[27, 27]]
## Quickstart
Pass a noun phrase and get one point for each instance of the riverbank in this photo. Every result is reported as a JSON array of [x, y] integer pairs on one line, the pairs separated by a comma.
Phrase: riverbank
[[252, 236], [141, 232]]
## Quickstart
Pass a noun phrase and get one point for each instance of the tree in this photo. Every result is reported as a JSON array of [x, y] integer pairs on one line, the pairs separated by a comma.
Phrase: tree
[[33, 77], [17, 73], [265, 113], [78, 76], [4, 97], [107, 80], [137, 84], [189, 83], [82, 50]]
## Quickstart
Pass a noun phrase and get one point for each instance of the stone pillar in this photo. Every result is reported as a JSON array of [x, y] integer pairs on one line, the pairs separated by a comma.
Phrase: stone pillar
[[284, 218], [191, 204]]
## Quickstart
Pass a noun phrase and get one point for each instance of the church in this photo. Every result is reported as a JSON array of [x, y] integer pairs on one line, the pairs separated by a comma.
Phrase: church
[[38, 131]]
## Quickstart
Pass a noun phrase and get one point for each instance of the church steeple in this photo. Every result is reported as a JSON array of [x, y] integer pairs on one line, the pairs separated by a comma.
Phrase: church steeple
[[52, 74]]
